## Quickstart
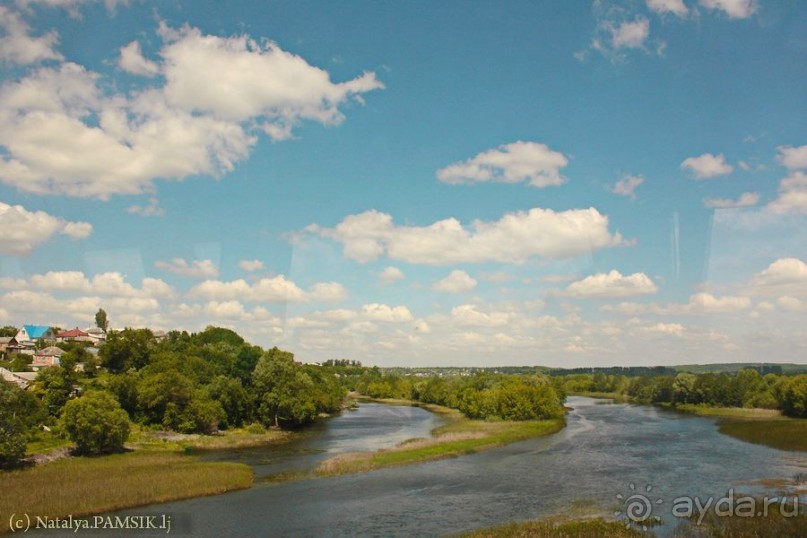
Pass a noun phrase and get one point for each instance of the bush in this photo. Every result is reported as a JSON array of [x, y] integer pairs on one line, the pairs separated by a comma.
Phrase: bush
[[96, 423]]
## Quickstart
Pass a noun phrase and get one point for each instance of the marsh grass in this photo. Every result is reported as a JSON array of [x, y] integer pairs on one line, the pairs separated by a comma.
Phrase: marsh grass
[[729, 412], [557, 527], [228, 439], [84, 486], [773, 525], [783, 433], [461, 436]]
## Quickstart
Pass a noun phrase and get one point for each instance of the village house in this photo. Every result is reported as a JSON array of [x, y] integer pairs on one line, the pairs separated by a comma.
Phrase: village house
[[21, 379], [45, 358], [96, 335], [73, 335]]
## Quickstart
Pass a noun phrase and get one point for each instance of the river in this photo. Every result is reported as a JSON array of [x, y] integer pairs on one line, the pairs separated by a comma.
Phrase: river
[[603, 450]]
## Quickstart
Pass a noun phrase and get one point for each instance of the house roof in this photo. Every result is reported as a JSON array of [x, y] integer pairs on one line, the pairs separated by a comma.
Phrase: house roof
[[36, 331], [50, 351], [6, 339], [72, 333]]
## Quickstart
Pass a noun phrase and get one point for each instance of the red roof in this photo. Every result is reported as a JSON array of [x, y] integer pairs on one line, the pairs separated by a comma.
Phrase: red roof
[[72, 333]]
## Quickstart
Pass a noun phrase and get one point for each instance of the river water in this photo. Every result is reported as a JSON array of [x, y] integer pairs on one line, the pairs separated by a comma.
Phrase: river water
[[602, 451]]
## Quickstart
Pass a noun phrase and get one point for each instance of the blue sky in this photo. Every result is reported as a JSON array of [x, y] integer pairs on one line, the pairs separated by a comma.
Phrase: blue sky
[[486, 183]]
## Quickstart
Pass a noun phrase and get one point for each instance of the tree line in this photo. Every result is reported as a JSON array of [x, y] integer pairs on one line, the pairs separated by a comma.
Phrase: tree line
[[745, 388], [188, 383]]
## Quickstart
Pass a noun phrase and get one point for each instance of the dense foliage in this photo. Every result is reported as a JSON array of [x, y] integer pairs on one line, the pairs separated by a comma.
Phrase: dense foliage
[[481, 396], [96, 423]]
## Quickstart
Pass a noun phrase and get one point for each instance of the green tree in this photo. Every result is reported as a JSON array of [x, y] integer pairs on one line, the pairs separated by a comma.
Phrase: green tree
[[96, 423], [284, 391], [101, 320], [129, 348], [8, 330], [19, 412]]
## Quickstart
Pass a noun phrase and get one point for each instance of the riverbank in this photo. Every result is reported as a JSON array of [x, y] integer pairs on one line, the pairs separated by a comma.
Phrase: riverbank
[[759, 426], [158, 467], [85, 486], [458, 437]]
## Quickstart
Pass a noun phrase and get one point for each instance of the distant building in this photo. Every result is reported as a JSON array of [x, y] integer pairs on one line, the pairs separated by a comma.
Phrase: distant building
[[96, 335], [34, 333], [21, 379], [45, 358], [73, 335]]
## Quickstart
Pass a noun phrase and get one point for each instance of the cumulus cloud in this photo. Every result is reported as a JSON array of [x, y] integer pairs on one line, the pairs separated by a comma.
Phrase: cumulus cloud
[[735, 9], [661, 7], [250, 265], [240, 79], [25, 230], [794, 158], [783, 276], [611, 285], [515, 237], [391, 274], [386, 313], [276, 289], [706, 303], [470, 315], [520, 161], [18, 46], [630, 34], [707, 166], [792, 195], [195, 269], [456, 282], [675, 329], [63, 132], [132, 61], [627, 186], [746, 199]]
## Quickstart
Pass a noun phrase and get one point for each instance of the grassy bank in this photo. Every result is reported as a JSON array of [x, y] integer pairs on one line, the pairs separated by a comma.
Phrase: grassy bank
[[82, 486], [728, 412], [460, 436], [558, 528], [225, 440], [759, 426], [616, 396], [783, 433]]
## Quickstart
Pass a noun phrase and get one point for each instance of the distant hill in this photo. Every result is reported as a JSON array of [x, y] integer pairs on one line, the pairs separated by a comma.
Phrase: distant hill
[[731, 367]]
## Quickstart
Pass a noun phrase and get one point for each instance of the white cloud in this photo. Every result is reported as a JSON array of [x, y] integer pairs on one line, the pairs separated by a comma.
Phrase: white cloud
[[269, 289], [18, 46], [469, 315], [675, 329], [707, 303], [668, 6], [456, 282], [735, 9], [627, 186], [71, 6], [62, 132], [329, 292], [239, 79], [153, 209], [391, 274], [195, 269], [707, 166], [382, 312], [611, 285], [132, 61], [25, 230], [792, 195], [785, 275], [520, 161], [793, 158], [630, 34], [746, 199], [515, 237], [250, 265]]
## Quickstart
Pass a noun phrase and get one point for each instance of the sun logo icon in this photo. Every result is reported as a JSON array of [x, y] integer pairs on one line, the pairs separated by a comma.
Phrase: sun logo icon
[[637, 508]]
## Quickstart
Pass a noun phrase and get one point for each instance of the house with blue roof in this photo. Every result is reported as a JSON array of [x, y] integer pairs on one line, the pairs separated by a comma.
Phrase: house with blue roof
[[33, 333]]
